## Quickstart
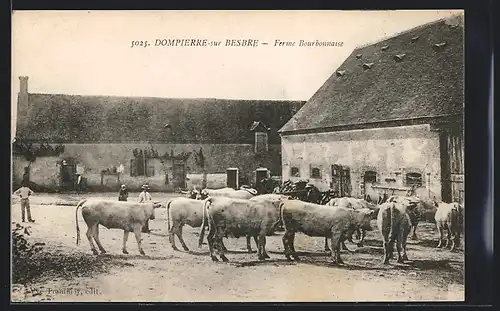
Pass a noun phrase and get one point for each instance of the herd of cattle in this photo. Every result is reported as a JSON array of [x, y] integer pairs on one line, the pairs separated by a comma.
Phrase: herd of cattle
[[243, 213]]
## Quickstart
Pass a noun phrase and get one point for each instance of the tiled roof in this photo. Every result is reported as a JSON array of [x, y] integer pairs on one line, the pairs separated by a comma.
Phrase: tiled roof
[[416, 74], [73, 118]]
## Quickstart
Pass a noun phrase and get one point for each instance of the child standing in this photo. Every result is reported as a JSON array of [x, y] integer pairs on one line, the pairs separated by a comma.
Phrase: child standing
[[145, 197], [24, 192], [123, 195]]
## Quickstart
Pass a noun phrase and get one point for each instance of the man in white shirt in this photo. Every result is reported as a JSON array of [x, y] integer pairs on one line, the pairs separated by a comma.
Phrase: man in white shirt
[[145, 197], [24, 193]]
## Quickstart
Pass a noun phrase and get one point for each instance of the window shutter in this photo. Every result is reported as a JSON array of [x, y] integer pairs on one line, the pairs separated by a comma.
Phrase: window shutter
[[133, 167], [150, 168]]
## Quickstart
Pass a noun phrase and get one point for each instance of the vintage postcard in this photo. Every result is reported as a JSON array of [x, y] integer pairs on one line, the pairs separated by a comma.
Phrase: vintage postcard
[[237, 156]]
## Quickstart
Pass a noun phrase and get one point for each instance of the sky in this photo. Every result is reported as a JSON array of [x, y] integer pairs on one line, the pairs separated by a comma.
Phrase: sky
[[90, 53]]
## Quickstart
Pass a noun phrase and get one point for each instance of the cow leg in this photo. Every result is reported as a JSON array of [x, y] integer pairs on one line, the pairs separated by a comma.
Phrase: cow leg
[[388, 244], [262, 247], [90, 236], [288, 239], [388, 251], [137, 233], [362, 233], [399, 247], [292, 247], [403, 245], [219, 236], [256, 240], [125, 238], [96, 237], [222, 246], [265, 252], [327, 249], [453, 242], [171, 237], [336, 242], [179, 235], [210, 242], [448, 236], [414, 235], [440, 234], [249, 246]]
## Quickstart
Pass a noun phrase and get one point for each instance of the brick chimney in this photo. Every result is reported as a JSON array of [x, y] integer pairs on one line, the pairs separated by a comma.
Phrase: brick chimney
[[23, 101]]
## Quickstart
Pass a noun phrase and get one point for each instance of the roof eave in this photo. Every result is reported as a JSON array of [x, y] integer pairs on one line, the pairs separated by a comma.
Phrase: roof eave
[[377, 124]]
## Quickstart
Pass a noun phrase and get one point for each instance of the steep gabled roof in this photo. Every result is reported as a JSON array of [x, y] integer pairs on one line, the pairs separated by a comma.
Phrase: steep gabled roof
[[86, 119], [416, 74]]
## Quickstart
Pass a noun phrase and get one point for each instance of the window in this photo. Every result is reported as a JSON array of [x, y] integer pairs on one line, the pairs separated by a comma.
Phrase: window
[[315, 172], [370, 177], [414, 179], [140, 167], [295, 172], [261, 142]]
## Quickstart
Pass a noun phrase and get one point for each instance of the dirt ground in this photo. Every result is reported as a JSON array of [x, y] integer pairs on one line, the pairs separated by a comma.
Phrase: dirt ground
[[164, 275]]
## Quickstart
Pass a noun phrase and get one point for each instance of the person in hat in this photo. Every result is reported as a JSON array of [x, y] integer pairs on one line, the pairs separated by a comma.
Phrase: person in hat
[[145, 197], [313, 194], [24, 192], [123, 194]]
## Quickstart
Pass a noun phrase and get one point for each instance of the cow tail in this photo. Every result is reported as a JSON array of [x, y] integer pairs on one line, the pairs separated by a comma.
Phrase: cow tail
[[280, 216], [204, 220], [168, 214], [76, 219], [392, 217]]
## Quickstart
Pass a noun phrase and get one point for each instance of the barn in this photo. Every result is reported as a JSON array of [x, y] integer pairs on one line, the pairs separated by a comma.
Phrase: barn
[[168, 143], [389, 119]]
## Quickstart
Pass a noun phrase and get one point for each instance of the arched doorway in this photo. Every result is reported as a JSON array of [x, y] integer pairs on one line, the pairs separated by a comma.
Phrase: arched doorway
[[67, 174]]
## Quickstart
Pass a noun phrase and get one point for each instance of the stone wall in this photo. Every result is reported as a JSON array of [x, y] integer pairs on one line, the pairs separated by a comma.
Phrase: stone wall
[[94, 158], [391, 152]]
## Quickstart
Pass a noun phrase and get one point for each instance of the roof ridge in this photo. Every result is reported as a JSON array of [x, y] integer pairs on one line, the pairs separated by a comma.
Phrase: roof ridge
[[435, 22], [172, 98]]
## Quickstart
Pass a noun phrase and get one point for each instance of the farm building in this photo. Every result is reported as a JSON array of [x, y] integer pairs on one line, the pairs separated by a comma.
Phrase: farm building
[[388, 119], [165, 142]]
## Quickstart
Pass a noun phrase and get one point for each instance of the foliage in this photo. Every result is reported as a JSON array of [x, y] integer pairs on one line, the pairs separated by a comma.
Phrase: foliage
[[31, 150], [152, 153], [31, 261], [199, 158], [22, 254]]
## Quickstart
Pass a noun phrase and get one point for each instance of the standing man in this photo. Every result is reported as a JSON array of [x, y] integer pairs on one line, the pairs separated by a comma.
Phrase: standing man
[[24, 192], [145, 197], [79, 177], [123, 195]]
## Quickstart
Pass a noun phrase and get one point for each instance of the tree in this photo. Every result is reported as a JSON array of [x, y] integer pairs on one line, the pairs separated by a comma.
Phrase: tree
[[31, 151], [199, 159]]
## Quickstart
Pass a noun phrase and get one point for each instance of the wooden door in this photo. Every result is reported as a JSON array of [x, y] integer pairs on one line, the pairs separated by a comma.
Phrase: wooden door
[[67, 174], [452, 166], [232, 178], [179, 174], [341, 181]]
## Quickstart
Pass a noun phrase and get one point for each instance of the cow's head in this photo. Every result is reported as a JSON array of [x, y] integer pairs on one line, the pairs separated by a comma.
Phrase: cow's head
[[191, 194], [201, 195], [155, 206], [410, 203], [363, 217]]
